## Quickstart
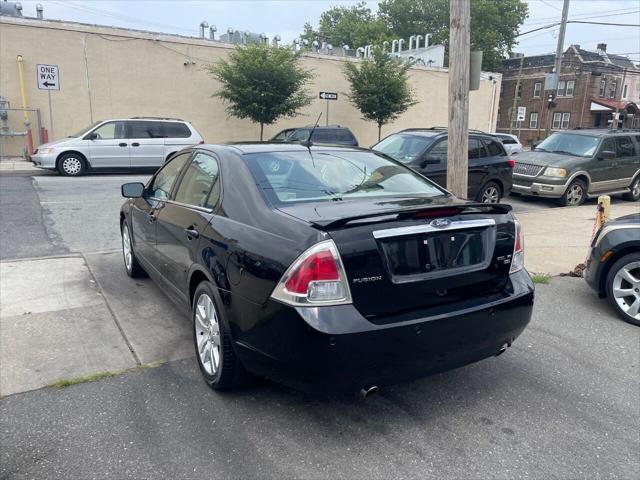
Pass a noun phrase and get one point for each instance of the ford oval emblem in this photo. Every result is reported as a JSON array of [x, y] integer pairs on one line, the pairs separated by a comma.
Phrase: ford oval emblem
[[440, 223]]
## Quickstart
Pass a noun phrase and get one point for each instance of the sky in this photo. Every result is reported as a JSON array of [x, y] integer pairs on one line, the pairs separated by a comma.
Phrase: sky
[[287, 18]]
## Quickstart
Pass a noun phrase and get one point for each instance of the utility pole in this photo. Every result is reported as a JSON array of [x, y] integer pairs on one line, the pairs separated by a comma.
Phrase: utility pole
[[514, 107], [558, 64], [459, 56]]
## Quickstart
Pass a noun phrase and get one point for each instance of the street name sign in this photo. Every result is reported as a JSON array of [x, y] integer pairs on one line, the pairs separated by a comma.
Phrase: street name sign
[[328, 95], [48, 77]]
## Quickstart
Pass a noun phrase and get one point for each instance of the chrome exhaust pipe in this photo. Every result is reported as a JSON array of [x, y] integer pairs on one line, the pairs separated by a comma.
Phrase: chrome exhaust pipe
[[503, 349], [367, 392]]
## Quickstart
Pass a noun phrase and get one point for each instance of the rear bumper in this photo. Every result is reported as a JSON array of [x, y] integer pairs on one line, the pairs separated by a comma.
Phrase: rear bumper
[[335, 348]]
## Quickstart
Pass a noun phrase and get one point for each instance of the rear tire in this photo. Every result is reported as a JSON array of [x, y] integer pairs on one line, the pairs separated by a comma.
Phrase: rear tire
[[216, 358], [634, 191], [574, 195], [623, 280], [490, 193], [71, 165]]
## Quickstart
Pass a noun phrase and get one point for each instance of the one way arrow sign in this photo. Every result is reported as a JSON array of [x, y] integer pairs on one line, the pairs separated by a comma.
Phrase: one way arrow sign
[[48, 77], [328, 95]]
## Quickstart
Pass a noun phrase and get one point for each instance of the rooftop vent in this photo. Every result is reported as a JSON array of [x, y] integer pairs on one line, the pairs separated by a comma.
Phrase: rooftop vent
[[602, 47]]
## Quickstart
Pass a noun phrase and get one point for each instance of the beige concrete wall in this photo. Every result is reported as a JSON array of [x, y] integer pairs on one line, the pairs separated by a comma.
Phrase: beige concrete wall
[[132, 73]]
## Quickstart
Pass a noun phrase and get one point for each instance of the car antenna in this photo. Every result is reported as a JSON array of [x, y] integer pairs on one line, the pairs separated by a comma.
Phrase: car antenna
[[308, 143]]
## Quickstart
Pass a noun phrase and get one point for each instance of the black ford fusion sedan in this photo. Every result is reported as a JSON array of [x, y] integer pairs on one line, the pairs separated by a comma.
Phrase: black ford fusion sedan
[[325, 267]]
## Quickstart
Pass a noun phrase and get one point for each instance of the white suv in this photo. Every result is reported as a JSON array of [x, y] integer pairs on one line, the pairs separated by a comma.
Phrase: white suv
[[138, 142]]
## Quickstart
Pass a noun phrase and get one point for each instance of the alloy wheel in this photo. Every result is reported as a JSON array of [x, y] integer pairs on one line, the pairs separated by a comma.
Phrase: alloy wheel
[[72, 165], [207, 331], [127, 252], [626, 289], [635, 189], [491, 195], [574, 194]]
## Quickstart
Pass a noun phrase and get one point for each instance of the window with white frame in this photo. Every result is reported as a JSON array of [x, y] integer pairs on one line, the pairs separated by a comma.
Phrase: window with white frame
[[533, 120], [571, 86], [603, 86], [561, 87], [625, 91], [537, 89], [565, 121], [613, 87], [557, 118]]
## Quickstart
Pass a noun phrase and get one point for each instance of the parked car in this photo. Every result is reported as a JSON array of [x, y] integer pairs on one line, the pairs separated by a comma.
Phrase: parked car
[[331, 135], [425, 150], [574, 165], [613, 266], [325, 268], [139, 142], [510, 142]]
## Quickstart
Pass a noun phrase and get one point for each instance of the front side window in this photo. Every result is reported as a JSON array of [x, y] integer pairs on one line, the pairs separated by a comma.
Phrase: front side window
[[404, 148], [293, 177], [557, 117], [110, 131], [571, 86], [565, 121], [162, 184], [282, 136], [197, 181], [533, 120], [569, 143], [561, 87], [537, 89], [301, 135], [146, 129]]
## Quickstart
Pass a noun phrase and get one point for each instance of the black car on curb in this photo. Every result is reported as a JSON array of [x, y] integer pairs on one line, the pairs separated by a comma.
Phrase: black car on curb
[[426, 150], [613, 266], [325, 267]]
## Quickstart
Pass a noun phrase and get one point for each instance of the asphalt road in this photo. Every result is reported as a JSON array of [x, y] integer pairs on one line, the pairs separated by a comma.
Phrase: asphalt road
[[563, 402]]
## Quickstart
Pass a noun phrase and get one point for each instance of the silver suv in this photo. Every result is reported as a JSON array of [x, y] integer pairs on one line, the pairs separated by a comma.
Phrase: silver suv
[[138, 142]]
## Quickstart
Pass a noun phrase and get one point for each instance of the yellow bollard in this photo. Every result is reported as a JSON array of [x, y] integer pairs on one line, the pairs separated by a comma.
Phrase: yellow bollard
[[604, 209]]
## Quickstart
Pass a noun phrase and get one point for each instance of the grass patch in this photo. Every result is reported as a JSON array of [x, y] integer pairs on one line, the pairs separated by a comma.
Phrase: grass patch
[[67, 382], [542, 278]]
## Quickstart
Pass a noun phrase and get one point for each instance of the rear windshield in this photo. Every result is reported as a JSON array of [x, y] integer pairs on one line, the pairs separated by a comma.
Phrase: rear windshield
[[293, 177], [403, 148], [569, 144]]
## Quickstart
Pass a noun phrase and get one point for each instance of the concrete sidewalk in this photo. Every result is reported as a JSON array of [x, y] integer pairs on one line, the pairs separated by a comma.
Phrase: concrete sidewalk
[[17, 164], [558, 239]]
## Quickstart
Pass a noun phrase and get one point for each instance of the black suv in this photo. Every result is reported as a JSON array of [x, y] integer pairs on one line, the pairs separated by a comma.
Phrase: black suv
[[573, 165], [425, 150], [330, 134]]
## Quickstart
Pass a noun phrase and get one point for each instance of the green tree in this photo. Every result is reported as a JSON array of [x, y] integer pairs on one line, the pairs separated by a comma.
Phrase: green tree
[[262, 83], [379, 88], [494, 24], [355, 26]]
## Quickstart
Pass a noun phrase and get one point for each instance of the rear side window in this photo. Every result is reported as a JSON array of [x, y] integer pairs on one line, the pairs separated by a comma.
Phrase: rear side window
[[508, 140], [322, 135], [163, 182], [476, 148], [495, 150], [625, 147], [145, 129], [197, 182], [176, 130], [110, 131], [344, 136]]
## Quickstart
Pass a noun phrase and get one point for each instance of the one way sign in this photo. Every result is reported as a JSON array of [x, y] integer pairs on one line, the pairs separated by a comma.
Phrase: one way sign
[[48, 77], [328, 95]]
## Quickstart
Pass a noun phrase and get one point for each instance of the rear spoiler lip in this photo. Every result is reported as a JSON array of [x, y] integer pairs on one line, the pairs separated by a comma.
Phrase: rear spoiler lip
[[339, 222]]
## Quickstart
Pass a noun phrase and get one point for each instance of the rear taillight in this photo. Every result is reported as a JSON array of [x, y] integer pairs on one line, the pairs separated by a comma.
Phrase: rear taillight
[[317, 277], [511, 162], [517, 259], [201, 142]]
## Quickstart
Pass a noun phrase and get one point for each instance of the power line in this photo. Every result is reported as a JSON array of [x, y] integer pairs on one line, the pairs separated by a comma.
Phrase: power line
[[585, 16], [579, 21]]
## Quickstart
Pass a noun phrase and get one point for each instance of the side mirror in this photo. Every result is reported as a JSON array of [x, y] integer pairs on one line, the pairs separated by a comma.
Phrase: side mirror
[[92, 136], [132, 190], [607, 155], [429, 160], [534, 145]]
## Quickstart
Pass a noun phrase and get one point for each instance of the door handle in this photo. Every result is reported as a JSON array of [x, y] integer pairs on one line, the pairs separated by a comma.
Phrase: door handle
[[192, 233], [135, 144], [122, 144]]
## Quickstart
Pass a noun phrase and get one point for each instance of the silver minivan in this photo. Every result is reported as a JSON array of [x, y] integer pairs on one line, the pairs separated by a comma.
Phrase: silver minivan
[[138, 142]]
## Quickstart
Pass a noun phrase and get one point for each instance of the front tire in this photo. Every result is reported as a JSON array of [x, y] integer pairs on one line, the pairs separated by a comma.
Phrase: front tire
[[216, 358], [131, 264], [71, 165], [490, 193], [623, 288], [574, 195], [634, 191]]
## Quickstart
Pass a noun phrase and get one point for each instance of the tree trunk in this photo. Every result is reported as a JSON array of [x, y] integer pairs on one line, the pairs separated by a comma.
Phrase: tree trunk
[[379, 131], [261, 130]]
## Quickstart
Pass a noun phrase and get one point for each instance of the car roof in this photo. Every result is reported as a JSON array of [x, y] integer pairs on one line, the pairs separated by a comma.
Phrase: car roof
[[154, 119], [271, 147], [600, 132], [418, 132]]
